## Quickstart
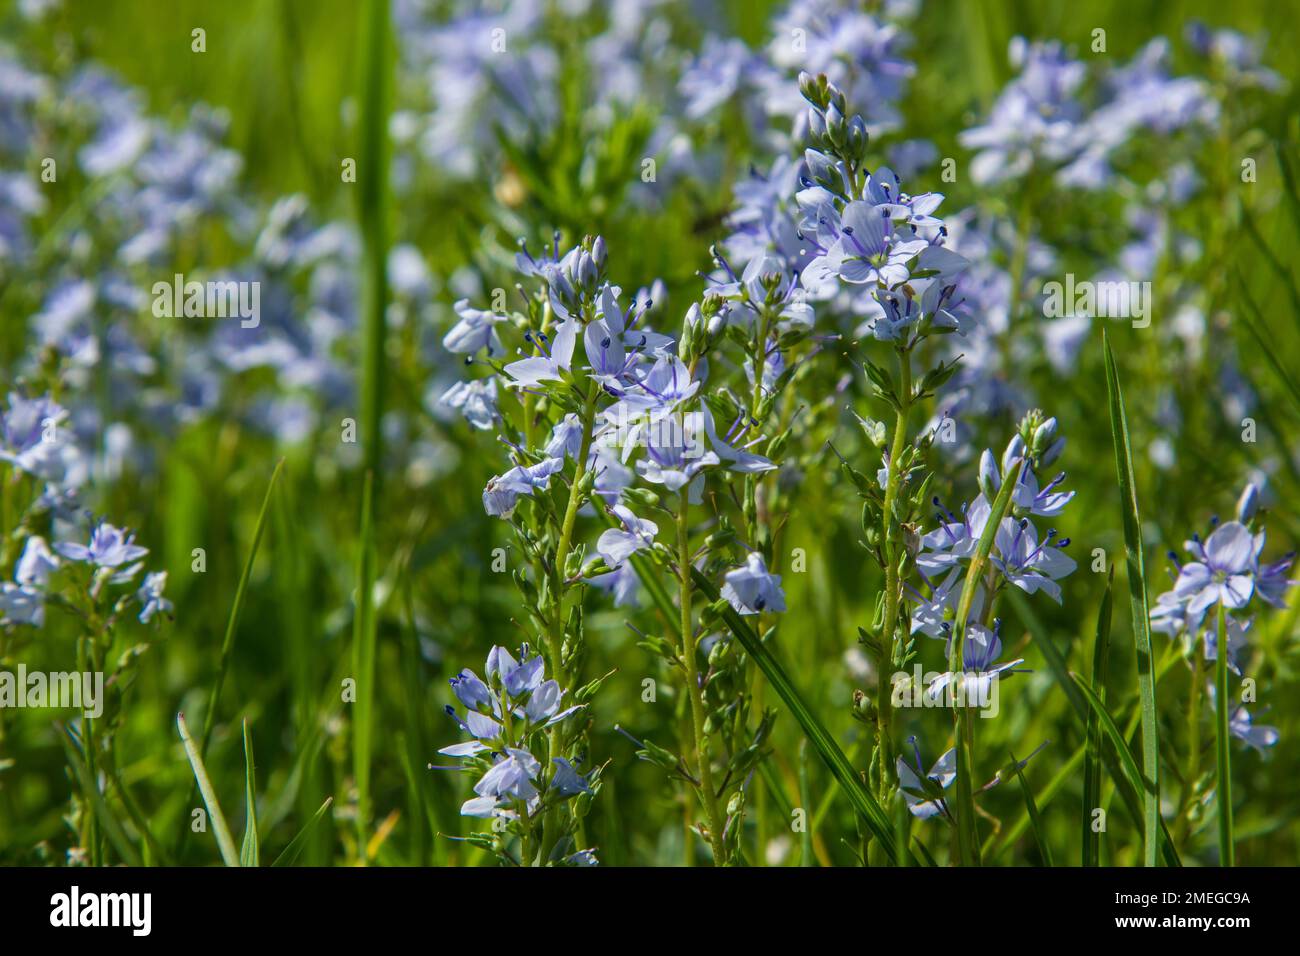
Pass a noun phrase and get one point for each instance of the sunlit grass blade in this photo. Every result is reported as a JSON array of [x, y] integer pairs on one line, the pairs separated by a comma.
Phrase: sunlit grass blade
[[364, 634], [1137, 585], [1044, 849], [1092, 767], [250, 850], [860, 797], [1222, 748], [225, 843], [228, 642], [292, 851], [968, 846]]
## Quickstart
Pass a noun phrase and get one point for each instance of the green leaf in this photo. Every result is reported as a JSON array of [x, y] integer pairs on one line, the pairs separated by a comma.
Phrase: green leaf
[[1137, 585], [249, 852], [225, 843], [295, 846]]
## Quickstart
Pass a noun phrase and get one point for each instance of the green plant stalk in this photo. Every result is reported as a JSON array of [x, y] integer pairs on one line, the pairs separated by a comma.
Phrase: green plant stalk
[[708, 795], [1137, 584], [1182, 829], [555, 639], [1222, 748], [90, 781], [968, 846], [893, 595], [364, 635], [99, 807], [859, 794], [555, 632], [1092, 769], [372, 194]]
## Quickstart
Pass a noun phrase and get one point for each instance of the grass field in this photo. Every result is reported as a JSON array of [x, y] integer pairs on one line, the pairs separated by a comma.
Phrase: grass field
[[318, 505]]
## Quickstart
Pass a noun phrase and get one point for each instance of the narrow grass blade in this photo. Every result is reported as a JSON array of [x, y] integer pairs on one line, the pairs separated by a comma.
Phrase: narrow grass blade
[[1258, 330], [228, 642], [364, 633], [1128, 762], [372, 194], [295, 846], [1044, 849], [998, 842], [877, 821], [1284, 274], [1289, 180], [806, 857], [219, 828], [1092, 768], [1137, 585], [1082, 709], [1133, 776], [249, 851], [1222, 750], [968, 846]]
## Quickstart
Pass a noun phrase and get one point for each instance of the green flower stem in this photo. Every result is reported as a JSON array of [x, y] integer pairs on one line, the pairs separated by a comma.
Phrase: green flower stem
[[555, 639], [1222, 741], [1193, 771], [967, 838], [555, 635], [893, 595], [707, 794], [90, 832]]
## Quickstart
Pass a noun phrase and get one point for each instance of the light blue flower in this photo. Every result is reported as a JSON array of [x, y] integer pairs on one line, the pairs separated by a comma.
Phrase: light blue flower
[[109, 547], [150, 596], [1224, 572], [502, 492], [752, 589], [555, 358], [919, 788], [616, 545], [476, 400]]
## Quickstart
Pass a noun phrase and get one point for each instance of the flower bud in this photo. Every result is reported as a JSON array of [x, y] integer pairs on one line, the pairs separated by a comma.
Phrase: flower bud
[[988, 477], [1248, 503], [816, 124]]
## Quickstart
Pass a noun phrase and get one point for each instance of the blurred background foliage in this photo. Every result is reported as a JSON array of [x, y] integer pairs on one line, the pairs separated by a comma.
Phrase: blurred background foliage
[[286, 74]]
